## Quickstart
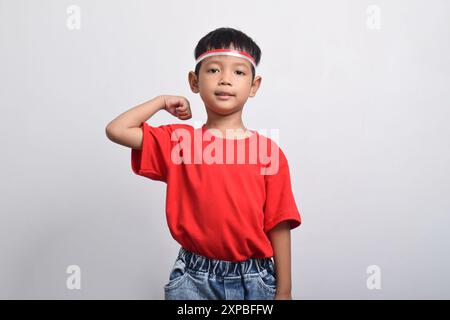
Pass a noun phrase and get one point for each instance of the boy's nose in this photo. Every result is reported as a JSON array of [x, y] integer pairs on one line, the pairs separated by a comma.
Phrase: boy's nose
[[224, 80]]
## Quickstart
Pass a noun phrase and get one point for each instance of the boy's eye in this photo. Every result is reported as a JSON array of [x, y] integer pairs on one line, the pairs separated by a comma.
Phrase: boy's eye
[[238, 71]]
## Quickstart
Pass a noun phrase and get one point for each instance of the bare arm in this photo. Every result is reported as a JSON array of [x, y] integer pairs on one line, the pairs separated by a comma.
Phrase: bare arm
[[280, 237], [125, 128]]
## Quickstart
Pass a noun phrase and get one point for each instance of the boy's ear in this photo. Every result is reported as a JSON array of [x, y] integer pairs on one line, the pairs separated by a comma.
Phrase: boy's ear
[[255, 86], [193, 82]]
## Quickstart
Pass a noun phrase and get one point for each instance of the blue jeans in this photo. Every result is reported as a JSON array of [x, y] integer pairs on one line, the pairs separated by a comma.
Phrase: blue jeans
[[194, 277]]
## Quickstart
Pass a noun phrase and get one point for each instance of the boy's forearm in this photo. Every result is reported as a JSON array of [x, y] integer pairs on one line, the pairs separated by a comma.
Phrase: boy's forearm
[[138, 114], [280, 237]]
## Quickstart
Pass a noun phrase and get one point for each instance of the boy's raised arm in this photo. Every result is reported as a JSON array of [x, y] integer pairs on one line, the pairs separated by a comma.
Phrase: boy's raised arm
[[125, 129]]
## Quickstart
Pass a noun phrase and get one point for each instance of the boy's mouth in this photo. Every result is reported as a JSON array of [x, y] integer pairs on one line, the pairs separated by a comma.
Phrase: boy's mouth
[[223, 93], [224, 96]]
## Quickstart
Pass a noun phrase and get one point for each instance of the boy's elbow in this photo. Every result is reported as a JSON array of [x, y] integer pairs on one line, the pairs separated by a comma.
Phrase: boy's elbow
[[111, 132], [131, 137]]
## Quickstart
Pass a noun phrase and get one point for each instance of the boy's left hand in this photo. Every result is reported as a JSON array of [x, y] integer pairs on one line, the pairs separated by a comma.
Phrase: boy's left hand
[[283, 296]]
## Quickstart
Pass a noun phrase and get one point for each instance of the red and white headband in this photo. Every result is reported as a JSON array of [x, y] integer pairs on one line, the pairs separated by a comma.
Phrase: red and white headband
[[226, 52]]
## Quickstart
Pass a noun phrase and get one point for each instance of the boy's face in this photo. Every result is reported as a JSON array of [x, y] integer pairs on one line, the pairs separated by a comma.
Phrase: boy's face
[[228, 74]]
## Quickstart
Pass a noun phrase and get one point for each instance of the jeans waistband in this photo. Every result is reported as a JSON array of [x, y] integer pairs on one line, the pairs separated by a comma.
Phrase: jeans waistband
[[224, 268]]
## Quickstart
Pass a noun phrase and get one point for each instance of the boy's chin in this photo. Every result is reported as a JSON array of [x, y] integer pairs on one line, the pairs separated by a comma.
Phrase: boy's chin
[[223, 108]]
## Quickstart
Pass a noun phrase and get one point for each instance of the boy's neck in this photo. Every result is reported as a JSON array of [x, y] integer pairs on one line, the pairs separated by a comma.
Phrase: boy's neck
[[227, 122]]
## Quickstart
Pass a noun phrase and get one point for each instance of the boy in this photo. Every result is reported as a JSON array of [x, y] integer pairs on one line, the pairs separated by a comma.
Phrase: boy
[[229, 208]]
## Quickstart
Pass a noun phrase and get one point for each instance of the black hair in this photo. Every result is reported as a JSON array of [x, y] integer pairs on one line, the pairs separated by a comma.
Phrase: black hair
[[223, 38]]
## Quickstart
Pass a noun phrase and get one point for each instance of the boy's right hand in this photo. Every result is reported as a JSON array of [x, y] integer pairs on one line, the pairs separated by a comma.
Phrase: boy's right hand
[[178, 106]]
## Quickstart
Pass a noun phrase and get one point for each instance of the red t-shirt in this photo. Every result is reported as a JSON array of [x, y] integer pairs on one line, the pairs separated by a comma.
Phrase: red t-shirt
[[217, 204]]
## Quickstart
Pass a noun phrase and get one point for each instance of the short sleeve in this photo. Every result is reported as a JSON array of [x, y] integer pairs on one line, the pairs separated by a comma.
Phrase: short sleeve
[[280, 203], [153, 160]]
